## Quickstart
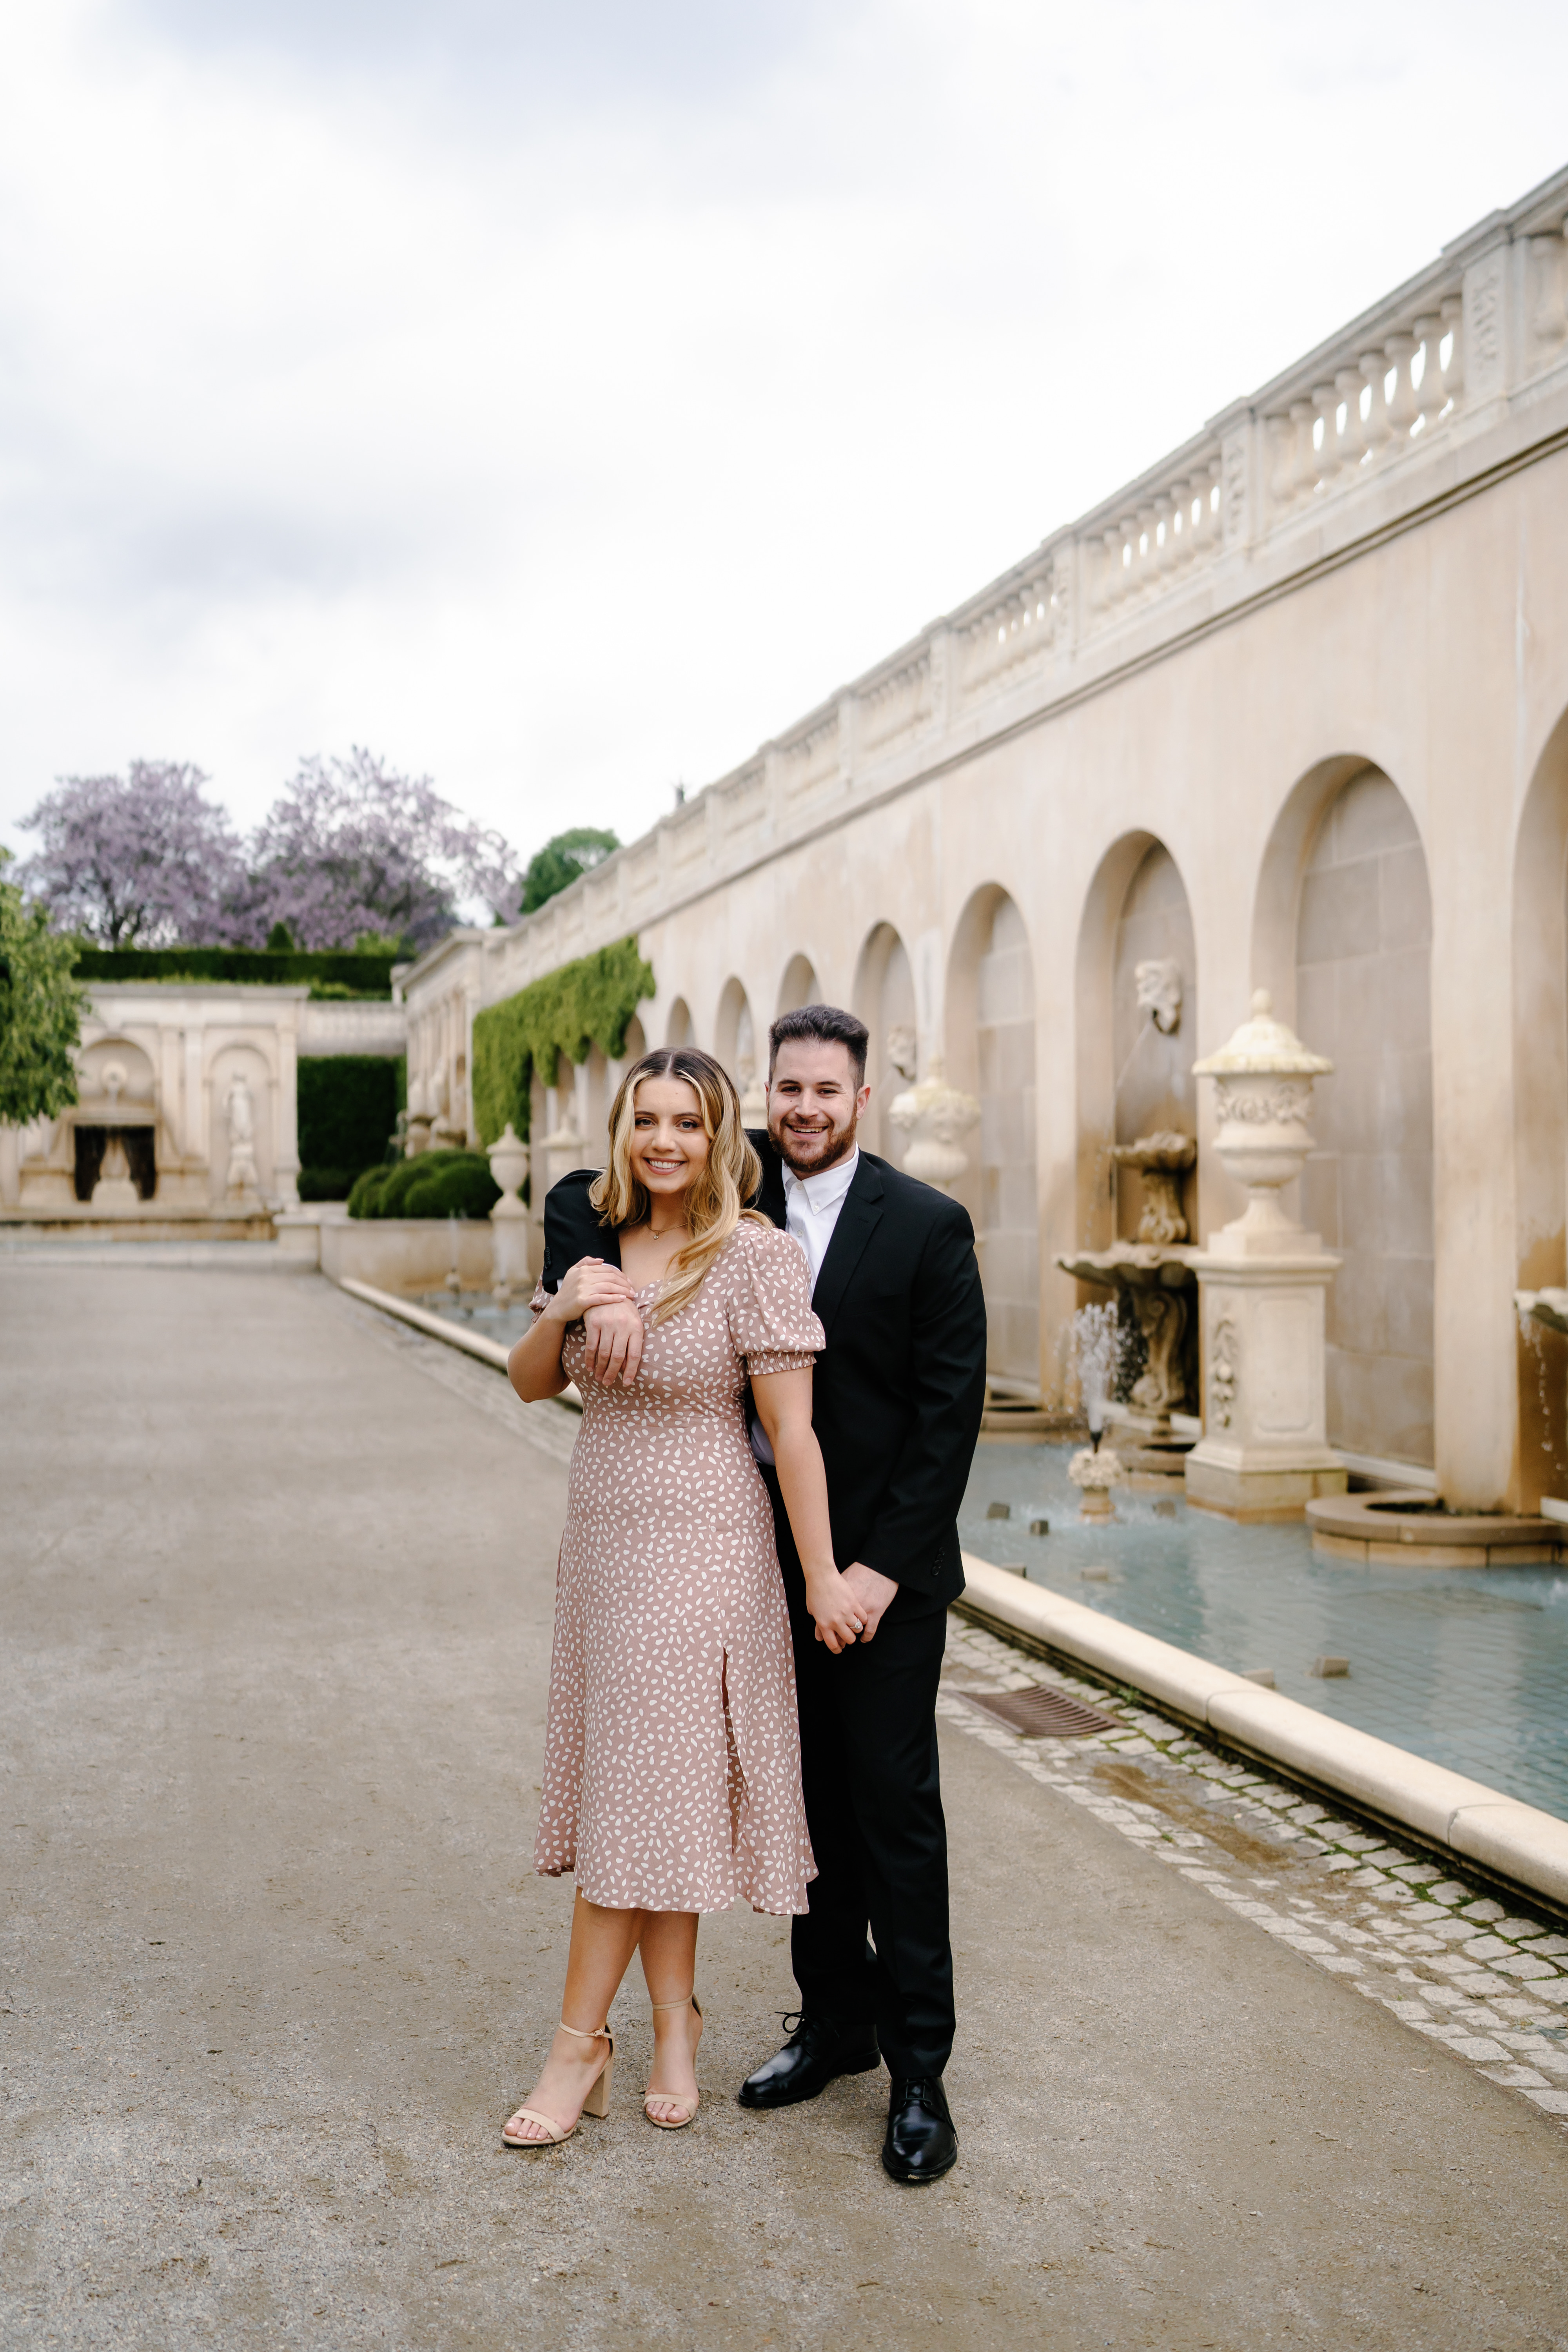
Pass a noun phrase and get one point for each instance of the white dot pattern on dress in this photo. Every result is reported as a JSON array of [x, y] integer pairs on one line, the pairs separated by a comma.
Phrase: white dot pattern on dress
[[672, 1755]]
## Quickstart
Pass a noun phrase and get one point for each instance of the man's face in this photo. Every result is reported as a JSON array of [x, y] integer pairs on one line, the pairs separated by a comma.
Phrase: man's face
[[814, 1104]]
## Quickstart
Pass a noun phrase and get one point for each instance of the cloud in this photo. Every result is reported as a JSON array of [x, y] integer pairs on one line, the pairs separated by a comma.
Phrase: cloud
[[562, 400]]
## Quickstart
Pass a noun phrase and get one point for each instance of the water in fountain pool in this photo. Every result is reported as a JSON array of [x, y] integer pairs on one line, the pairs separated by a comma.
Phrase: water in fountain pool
[[1467, 1667]]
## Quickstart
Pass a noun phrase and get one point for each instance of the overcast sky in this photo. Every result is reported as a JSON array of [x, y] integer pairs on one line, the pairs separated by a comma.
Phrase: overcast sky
[[562, 399]]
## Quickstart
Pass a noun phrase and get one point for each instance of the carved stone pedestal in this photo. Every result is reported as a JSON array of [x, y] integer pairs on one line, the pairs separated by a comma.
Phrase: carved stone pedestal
[[1264, 1453], [1262, 1282], [509, 1218]]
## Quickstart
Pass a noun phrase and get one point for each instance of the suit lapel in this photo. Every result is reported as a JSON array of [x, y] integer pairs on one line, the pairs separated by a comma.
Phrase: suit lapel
[[858, 1221], [770, 1199]]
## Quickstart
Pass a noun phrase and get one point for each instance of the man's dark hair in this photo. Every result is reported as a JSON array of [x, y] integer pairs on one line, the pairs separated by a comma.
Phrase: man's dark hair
[[831, 1024]]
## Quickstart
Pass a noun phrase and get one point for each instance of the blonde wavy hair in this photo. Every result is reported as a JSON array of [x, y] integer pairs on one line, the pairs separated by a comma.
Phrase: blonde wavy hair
[[717, 1196]]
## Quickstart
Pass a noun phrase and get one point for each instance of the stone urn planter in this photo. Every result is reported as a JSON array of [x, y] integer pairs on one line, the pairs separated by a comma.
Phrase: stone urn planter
[[1263, 1101], [508, 1157], [934, 1115], [1094, 1471]]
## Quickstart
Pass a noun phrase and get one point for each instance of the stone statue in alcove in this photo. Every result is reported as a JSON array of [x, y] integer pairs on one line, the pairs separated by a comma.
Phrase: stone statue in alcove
[[239, 1110]]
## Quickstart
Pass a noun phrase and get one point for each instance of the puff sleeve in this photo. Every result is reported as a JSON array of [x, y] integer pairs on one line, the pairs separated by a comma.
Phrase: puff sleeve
[[768, 1303]]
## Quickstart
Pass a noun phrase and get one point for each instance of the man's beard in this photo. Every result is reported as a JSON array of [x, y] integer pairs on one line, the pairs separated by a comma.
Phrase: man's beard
[[824, 1148]]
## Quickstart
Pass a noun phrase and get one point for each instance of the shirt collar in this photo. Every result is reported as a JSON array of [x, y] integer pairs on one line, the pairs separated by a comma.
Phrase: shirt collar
[[822, 1192]]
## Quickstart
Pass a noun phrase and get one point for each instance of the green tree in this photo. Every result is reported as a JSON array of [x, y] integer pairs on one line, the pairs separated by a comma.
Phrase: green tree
[[561, 860], [40, 1009]]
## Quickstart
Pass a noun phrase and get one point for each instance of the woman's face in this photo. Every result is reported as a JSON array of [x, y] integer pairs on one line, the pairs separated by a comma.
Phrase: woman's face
[[670, 1147]]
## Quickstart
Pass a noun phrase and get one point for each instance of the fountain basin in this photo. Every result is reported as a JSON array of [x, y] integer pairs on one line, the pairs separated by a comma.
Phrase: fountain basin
[[1406, 1527]]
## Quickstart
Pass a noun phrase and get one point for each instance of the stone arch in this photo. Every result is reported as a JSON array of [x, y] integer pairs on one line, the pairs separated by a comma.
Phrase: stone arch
[[1106, 1033], [799, 984], [990, 1031], [1343, 939], [680, 1029], [884, 997], [1541, 1110]]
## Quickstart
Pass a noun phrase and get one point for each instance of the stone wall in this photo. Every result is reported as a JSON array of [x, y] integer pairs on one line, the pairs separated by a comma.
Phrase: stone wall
[[1363, 995]]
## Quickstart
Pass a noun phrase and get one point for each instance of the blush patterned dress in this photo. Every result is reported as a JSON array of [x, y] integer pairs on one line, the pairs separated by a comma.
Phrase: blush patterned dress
[[672, 1756]]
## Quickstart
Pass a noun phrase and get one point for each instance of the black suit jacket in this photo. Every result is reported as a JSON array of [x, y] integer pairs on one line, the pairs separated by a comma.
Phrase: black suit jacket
[[900, 1384]]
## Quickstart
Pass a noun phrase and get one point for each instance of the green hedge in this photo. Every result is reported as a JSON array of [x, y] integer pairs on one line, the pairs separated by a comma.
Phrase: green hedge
[[348, 1114], [583, 1004], [351, 974], [432, 1185]]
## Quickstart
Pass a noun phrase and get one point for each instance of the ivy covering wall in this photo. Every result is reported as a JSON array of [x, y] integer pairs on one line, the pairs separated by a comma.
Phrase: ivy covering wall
[[585, 1003]]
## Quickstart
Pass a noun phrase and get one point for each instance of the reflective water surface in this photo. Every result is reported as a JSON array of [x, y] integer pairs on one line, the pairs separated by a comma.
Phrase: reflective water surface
[[1467, 1667]]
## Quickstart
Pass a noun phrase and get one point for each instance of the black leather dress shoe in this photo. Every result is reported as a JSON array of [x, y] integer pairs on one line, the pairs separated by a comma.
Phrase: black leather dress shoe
[[817, 2051], [921, 2144]]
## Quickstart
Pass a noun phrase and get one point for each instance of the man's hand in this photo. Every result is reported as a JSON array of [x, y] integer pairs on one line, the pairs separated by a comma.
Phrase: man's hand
[[615, 1337], [872, 1593]]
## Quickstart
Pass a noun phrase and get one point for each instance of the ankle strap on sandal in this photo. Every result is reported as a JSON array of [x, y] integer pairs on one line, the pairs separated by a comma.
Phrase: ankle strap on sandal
[[658, 2005], [599, 2034]]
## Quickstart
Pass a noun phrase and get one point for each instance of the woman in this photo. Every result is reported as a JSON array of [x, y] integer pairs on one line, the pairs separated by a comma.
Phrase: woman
[[673, 1760]]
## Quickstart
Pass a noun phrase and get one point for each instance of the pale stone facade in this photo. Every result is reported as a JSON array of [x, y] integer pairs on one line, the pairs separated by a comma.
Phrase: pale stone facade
[[1290, 711], [193, 1087]]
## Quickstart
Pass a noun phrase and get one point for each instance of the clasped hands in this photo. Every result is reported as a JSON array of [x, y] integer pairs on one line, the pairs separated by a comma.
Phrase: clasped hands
[[846, 1608]]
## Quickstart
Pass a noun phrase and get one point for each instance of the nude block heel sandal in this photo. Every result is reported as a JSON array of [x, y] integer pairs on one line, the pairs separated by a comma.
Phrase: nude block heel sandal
[[679, 2121], [597, 2103]]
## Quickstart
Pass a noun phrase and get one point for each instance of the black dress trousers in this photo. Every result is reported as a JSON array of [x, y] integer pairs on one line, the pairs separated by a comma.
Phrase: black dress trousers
[[873, 1805]]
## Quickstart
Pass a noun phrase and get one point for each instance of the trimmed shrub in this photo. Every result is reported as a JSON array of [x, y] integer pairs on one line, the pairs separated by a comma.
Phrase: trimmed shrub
[[356, 975], [325, 1184], [434, 1184], [365, 1191]]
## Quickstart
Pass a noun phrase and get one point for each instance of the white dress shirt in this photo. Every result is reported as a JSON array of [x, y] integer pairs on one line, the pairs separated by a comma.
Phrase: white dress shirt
[[811, 1211], [812, 1204]]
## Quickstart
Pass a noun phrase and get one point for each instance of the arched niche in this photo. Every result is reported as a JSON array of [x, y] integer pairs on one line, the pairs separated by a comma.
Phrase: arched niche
[[679, 1029], [246, 1063], [735, 1038], [799, 984], [1540, 1111], [1108, 1023], [1344, 895], [1154, 1021], [884, 998], [991, 1054]]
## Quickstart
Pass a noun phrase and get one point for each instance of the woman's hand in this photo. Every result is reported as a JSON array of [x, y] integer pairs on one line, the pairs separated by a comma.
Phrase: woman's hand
[[839, 1618], [590, 1283]]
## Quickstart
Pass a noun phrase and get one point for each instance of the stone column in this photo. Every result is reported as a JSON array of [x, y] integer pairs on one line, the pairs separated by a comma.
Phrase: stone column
[[193, 1133], [1262, 1284]]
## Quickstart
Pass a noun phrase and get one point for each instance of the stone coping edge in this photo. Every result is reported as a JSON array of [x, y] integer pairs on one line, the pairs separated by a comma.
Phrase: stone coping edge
[[1380, 1518], [473, 1343], [1515, 1842]]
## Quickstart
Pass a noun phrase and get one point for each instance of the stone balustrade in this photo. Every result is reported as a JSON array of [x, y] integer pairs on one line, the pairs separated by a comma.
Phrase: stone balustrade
[[1366, 429]]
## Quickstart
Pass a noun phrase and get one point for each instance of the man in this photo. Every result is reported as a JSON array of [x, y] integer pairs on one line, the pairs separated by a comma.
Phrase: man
[[897, 1399]]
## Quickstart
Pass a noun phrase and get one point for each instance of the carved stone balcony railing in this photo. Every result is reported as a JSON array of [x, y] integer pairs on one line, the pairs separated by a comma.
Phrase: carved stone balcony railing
[[1464, 366]]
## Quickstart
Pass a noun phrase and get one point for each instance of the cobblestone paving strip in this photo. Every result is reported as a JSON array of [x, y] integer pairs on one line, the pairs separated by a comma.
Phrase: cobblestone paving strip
[[1491, 1985]]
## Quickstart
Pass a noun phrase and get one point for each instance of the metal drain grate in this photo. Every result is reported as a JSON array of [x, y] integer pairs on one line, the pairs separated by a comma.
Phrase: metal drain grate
[[1042, 1713]]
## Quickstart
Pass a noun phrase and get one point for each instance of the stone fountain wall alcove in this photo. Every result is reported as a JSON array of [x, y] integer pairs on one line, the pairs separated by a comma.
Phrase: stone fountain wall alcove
[[1363, 998], [1137, 969], [991, 1054]]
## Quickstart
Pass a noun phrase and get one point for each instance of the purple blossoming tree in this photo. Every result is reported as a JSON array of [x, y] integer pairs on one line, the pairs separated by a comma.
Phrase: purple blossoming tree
[[353, 848], [139, 860]]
